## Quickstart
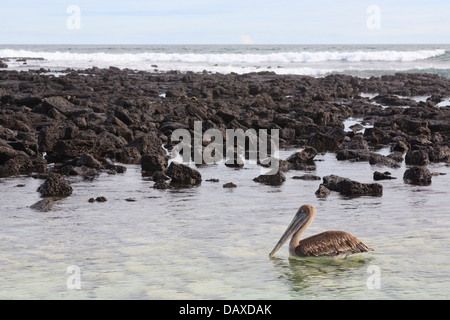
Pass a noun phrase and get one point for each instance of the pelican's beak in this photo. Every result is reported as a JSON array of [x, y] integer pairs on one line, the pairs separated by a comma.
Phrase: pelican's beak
[[299, 220]]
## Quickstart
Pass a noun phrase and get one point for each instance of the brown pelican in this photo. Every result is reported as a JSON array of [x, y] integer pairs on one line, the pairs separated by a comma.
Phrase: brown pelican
[[336, 244]]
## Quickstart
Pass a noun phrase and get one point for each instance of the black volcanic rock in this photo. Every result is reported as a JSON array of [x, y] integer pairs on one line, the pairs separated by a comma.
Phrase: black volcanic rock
[[272, 180], [118, 115], [43, 205], [352, 188], [302, 159], [307, 177], [55, 186], [183, 175], [366, 155], [229, 185], [417, 158], [151, 163], [322, 192], [64, 106], [417, 175], [329, 141], [382, 176], [14, 162]]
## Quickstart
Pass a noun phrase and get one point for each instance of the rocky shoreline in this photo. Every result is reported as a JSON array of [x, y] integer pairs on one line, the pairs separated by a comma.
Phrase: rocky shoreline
[[88, 121]]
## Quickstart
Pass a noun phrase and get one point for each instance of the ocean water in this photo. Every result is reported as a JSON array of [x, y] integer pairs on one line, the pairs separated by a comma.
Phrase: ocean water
[[314, 60], [208, 242]]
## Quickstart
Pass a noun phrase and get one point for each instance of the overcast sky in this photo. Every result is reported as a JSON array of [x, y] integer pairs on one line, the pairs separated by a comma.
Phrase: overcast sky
[[224, 22]]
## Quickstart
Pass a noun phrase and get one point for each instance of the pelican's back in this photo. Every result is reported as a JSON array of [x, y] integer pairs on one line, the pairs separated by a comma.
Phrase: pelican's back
[[332, 244]]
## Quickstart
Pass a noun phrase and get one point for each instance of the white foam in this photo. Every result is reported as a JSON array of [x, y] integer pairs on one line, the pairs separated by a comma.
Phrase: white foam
[[312, 63], [280, 57]]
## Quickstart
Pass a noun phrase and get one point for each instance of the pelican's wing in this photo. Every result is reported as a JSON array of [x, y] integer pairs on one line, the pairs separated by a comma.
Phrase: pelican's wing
[[330, 243]]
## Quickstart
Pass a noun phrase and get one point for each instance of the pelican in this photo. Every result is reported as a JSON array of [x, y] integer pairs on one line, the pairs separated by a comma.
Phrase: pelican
[[338, 244]]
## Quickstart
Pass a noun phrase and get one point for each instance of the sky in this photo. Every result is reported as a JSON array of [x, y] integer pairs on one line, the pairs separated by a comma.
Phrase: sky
[[224, 22]]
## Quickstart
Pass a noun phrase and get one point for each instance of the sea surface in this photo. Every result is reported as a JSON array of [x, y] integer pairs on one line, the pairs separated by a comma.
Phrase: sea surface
[[209, 242], [314, 60]]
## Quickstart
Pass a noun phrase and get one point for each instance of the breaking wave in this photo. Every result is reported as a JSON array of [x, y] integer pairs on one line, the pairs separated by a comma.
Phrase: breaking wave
[[230, 58]]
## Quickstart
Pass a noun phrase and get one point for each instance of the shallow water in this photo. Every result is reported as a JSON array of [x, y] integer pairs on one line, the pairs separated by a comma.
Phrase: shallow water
[[208, 242], [356, 120]]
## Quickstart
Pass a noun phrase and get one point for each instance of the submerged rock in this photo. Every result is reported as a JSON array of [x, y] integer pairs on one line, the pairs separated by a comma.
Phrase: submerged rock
[[229, 185], [309, 177], [161, 184], [43, 205]]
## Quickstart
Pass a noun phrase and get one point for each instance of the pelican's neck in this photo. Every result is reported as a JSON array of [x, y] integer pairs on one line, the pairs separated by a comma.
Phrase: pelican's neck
[[296, 237]]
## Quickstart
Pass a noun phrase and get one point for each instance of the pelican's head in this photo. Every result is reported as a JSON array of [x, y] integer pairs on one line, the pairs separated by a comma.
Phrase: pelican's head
[[304, 214]]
